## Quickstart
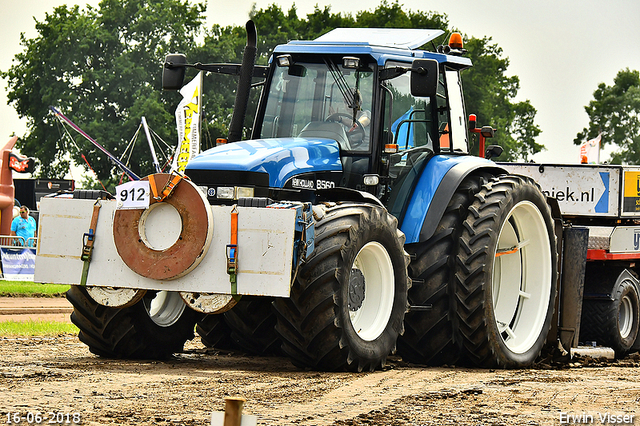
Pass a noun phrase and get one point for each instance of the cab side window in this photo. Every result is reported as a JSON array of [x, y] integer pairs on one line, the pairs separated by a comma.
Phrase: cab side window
[[457, 119], [407, 118], [409, 122]]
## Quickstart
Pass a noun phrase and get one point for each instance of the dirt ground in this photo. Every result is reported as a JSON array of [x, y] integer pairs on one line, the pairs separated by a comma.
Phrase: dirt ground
[[59, 375]]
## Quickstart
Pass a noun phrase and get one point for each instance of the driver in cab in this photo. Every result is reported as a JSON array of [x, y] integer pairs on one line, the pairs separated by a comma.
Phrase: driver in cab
[[353, 117]]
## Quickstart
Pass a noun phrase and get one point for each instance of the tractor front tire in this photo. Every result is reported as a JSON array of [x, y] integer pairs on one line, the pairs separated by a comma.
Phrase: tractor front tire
[[506, 274], [154, 328], [347, 305]]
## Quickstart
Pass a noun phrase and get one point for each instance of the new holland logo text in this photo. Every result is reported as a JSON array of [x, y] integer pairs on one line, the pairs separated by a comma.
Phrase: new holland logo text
[[302, 183], [309, 184]]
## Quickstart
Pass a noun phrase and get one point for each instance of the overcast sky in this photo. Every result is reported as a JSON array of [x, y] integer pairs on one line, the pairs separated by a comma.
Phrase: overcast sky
[[560, 49]]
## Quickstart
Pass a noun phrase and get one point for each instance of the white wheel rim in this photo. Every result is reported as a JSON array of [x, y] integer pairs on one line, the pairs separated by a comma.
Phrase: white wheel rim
[[521, 281], [165, 309], [371, 318], [209, 303], [115, 297], [625, 317]]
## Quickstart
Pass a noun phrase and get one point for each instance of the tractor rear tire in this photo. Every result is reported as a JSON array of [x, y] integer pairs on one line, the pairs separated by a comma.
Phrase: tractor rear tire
[[249, 326], [429, 334], [347, 305], [154, 328], [252, 323], [506, 277], [613, 323], [214, 332]]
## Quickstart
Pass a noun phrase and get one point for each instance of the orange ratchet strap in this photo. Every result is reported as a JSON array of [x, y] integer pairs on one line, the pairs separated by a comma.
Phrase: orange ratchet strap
[[509, 250], [87, 243], [171, 184], [232, 252]]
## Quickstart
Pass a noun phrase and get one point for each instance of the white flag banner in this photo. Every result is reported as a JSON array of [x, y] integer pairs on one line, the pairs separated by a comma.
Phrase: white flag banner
[[590, 151], [188, 120]]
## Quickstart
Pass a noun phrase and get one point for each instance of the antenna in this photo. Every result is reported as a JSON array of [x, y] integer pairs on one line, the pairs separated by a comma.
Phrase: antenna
[[153, 151]]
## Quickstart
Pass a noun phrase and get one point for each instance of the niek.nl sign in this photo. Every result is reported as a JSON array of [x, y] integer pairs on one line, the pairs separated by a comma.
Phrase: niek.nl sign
[[580, 190]]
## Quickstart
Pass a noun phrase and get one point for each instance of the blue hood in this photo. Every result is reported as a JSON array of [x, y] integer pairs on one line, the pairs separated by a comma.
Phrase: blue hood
[[281, 158]]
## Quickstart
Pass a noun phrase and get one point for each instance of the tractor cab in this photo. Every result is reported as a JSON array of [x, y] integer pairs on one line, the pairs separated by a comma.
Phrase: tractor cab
[[357, 109]]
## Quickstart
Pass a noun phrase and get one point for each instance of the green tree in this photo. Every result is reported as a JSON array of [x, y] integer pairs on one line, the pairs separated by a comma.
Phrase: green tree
[[101, 68], [615, 112], [277, 27], [221, 45], [489, 93], [321, 20], [393, 16]]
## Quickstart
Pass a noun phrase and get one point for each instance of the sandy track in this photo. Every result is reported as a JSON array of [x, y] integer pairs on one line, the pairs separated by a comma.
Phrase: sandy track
[[60, 375], [35, 308]]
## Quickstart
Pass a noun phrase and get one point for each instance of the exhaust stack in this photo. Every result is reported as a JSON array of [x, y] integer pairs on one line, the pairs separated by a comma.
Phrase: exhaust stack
[[244, 84]]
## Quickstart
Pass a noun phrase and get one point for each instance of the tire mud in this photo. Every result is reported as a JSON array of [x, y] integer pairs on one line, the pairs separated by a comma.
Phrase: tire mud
[[59, 374]]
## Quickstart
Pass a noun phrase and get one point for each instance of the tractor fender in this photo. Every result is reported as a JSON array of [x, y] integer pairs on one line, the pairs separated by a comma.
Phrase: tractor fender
[[438, 182], [347, 194]]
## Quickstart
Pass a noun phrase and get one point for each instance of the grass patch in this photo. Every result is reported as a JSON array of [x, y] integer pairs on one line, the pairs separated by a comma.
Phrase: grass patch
[[36, 328], [31, 289]]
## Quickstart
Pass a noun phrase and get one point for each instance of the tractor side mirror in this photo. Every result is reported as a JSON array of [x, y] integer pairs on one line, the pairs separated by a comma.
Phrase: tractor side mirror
[[493, 151], [487, 131], [424, 77], [173, 71]]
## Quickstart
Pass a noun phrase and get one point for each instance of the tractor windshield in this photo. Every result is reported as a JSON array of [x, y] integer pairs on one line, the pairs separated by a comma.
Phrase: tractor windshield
[[321, 100]]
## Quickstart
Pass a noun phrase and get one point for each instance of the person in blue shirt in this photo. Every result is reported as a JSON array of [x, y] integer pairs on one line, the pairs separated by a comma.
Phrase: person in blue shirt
[[24, 225]]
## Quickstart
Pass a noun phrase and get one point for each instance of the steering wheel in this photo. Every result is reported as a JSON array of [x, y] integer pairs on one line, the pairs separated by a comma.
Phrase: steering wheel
[[355, 134]]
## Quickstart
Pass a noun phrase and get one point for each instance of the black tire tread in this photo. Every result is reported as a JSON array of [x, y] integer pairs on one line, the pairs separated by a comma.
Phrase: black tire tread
[[473, 325], [594, 323], [126, 332], [599, 321], [309, 322], [429, 335], [214, 332], [252, 324]]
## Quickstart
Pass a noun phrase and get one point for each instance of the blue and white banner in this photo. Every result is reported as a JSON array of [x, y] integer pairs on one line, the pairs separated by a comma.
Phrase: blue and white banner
[[18, 264]]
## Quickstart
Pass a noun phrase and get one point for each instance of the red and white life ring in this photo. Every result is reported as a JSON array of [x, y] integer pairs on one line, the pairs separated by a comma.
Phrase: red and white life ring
[[168, 239]]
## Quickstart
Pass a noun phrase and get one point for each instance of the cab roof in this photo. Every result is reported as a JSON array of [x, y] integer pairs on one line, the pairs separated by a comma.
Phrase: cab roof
[[390, 37], [381, 43]]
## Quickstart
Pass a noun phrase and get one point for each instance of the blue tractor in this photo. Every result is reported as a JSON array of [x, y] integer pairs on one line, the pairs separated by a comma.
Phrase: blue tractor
[[402, 241]]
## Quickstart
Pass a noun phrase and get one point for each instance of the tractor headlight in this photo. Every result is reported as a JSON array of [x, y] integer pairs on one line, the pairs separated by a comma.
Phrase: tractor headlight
[[371, 180], [351, 62], [244, 192], [284, 60], [234, 192], [226, 192]]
